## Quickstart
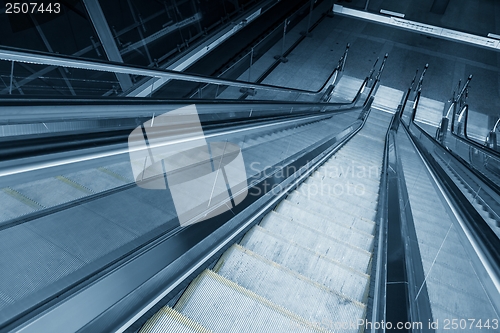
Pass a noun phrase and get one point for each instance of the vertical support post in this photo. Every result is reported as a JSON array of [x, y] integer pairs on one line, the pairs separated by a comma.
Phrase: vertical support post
[[11, 76], [443, 130], [407, 95], [491, 141], [309, 18], [366, 5], [283, 40], [62, 70], [95, 46], [344, 58], [106, 38], [281, 57], [250, 68], [144, 45]]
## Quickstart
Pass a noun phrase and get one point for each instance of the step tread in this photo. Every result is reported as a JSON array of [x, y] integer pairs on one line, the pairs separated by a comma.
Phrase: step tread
[[169, 320], [224, 306], [297, 293], [322, 269], [339, 216], [296, 230]]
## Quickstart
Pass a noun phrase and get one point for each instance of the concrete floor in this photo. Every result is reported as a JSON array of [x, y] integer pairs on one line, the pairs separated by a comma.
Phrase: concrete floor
[[311, 62], [448, 62]]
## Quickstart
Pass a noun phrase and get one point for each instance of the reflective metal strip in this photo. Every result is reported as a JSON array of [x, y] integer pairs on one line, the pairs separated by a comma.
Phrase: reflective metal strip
[[423, 28]]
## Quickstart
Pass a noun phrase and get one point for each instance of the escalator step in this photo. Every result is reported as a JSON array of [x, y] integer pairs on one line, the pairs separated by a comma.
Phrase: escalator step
[[169, 320], [297, 293], [337, 223], [344, 201], [298, 231], [325, 271], [361, 220], [223, 306]]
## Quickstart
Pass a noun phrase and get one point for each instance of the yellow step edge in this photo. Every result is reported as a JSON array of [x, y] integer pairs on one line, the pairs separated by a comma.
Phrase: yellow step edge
[[74, 184], [114, 174], [333, 239], [237, 247], [22, 198], [233, 285], [333, 261], [154, 323]]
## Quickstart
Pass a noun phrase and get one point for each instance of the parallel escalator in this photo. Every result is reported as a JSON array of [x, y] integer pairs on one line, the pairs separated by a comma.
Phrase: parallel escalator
[[451, 272]]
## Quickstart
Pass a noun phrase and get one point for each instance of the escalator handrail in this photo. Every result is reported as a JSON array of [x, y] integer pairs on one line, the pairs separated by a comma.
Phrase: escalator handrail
[[491, 184], [397, 259], [49, 59], [484, 150], [380, 286]]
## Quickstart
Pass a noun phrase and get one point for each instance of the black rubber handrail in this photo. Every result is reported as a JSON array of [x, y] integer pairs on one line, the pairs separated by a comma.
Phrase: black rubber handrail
[[466, 164], [477, 146], [467, 141]]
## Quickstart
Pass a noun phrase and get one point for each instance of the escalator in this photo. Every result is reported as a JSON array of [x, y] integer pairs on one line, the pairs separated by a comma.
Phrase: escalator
[[449, 223], [451, 277], [306, 266], [311, 263], [345, 199], [75, 219], [65, 225]]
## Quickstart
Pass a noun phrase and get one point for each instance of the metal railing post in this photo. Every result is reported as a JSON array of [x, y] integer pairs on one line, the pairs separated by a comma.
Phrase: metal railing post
[[281, 57], [344, 58], [407, 95], [373, 69], [366, 5], [250, 68], [11, 77], [309, 18]]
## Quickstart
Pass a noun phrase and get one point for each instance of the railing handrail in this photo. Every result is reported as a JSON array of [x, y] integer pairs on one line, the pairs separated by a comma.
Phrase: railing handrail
[[49, 59], [495, 126], [377, 77], [484, 150], [418, 88]]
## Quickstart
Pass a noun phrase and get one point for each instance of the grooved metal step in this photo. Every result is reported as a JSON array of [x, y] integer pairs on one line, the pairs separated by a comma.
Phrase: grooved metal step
[[223, 306], [169, 320], [320, 214], [318, 304], [348, 279], [312, 194]]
